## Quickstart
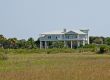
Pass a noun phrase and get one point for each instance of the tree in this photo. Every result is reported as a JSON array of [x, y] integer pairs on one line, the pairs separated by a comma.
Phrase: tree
[[98, 40], [2, 41], [37, 43], [21, 43], [107, 40], [92, 39], [30, 43], [12, 42]]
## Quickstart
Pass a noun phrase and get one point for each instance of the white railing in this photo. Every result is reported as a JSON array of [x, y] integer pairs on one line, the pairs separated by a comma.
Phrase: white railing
[[63, 39], [71, 38]]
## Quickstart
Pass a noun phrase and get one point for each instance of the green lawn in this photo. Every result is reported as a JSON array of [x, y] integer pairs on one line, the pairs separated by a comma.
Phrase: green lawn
[[62, 66]]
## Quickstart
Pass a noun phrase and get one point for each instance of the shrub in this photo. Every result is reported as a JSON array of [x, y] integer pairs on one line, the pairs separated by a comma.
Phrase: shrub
[[57, 44], [103, 49], [90, 46]]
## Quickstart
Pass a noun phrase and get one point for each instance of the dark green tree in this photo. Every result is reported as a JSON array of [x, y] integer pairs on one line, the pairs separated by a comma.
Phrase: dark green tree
[[21, 43], [107, 40], [30, 43]]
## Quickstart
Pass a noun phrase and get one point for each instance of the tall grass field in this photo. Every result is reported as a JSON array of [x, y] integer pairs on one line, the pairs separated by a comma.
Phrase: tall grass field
[[53, 66]]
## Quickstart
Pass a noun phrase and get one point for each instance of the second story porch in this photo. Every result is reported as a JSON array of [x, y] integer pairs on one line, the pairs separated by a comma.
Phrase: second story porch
[[63, 37]]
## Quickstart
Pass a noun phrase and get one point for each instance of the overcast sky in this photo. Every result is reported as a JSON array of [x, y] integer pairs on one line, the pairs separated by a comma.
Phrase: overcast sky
[[29, 18]]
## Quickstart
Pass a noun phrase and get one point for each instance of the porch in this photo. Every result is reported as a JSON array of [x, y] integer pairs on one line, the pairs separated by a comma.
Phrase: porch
[[67, 43]]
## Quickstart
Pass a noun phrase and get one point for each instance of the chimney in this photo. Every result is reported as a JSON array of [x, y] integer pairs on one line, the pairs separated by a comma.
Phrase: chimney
[[64, 30]]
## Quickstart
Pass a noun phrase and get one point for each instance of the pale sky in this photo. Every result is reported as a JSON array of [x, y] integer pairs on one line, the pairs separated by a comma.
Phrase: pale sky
[[29, 18]]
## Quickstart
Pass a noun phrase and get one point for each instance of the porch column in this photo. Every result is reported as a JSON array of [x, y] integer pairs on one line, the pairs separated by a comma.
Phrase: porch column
[[41, 45], [64, 43], [78, 43], [45, 44], [88, 38], [83, 42], [71, 44]]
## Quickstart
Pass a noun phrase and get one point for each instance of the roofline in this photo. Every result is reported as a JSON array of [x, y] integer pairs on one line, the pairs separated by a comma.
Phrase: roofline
[[49, 34], [59, 33]]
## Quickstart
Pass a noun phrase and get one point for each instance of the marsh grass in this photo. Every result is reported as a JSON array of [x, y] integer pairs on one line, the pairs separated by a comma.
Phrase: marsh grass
[[62, 66], [47, 51], [3, 54]]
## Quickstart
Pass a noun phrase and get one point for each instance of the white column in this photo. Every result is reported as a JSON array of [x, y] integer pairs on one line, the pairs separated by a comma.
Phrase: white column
[[87, 38], [78, 43], [41, 45], [64, 43], [45, 44], [71, 44], [83, 42]]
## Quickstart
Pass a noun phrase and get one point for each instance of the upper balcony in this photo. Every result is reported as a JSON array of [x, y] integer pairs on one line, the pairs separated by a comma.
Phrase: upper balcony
[[60, 38], [69, 39]]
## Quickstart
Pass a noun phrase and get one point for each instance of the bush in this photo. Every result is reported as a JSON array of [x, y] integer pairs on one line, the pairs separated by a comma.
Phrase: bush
[[104, 49], [90, 46], [57, 44]]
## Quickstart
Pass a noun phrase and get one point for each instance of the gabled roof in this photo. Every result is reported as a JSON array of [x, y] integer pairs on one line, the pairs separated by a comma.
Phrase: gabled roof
[[78, 32], [61, 32], [71, 32]]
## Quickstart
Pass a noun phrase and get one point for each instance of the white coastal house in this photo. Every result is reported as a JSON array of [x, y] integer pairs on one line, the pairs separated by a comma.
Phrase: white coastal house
[[74, 37]]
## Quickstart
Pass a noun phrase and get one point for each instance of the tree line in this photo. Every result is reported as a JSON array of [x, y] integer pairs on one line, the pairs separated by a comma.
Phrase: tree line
[[99, 40], [14, 43]]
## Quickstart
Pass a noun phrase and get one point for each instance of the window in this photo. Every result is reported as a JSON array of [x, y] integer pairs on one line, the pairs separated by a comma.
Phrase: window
[[49, 37], [75, 36], [67, 36]]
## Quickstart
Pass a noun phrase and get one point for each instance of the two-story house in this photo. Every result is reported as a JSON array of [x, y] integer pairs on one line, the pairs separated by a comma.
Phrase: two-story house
[[75, 37]]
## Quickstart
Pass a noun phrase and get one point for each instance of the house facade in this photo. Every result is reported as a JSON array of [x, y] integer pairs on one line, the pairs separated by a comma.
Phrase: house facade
[[74, 37]]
